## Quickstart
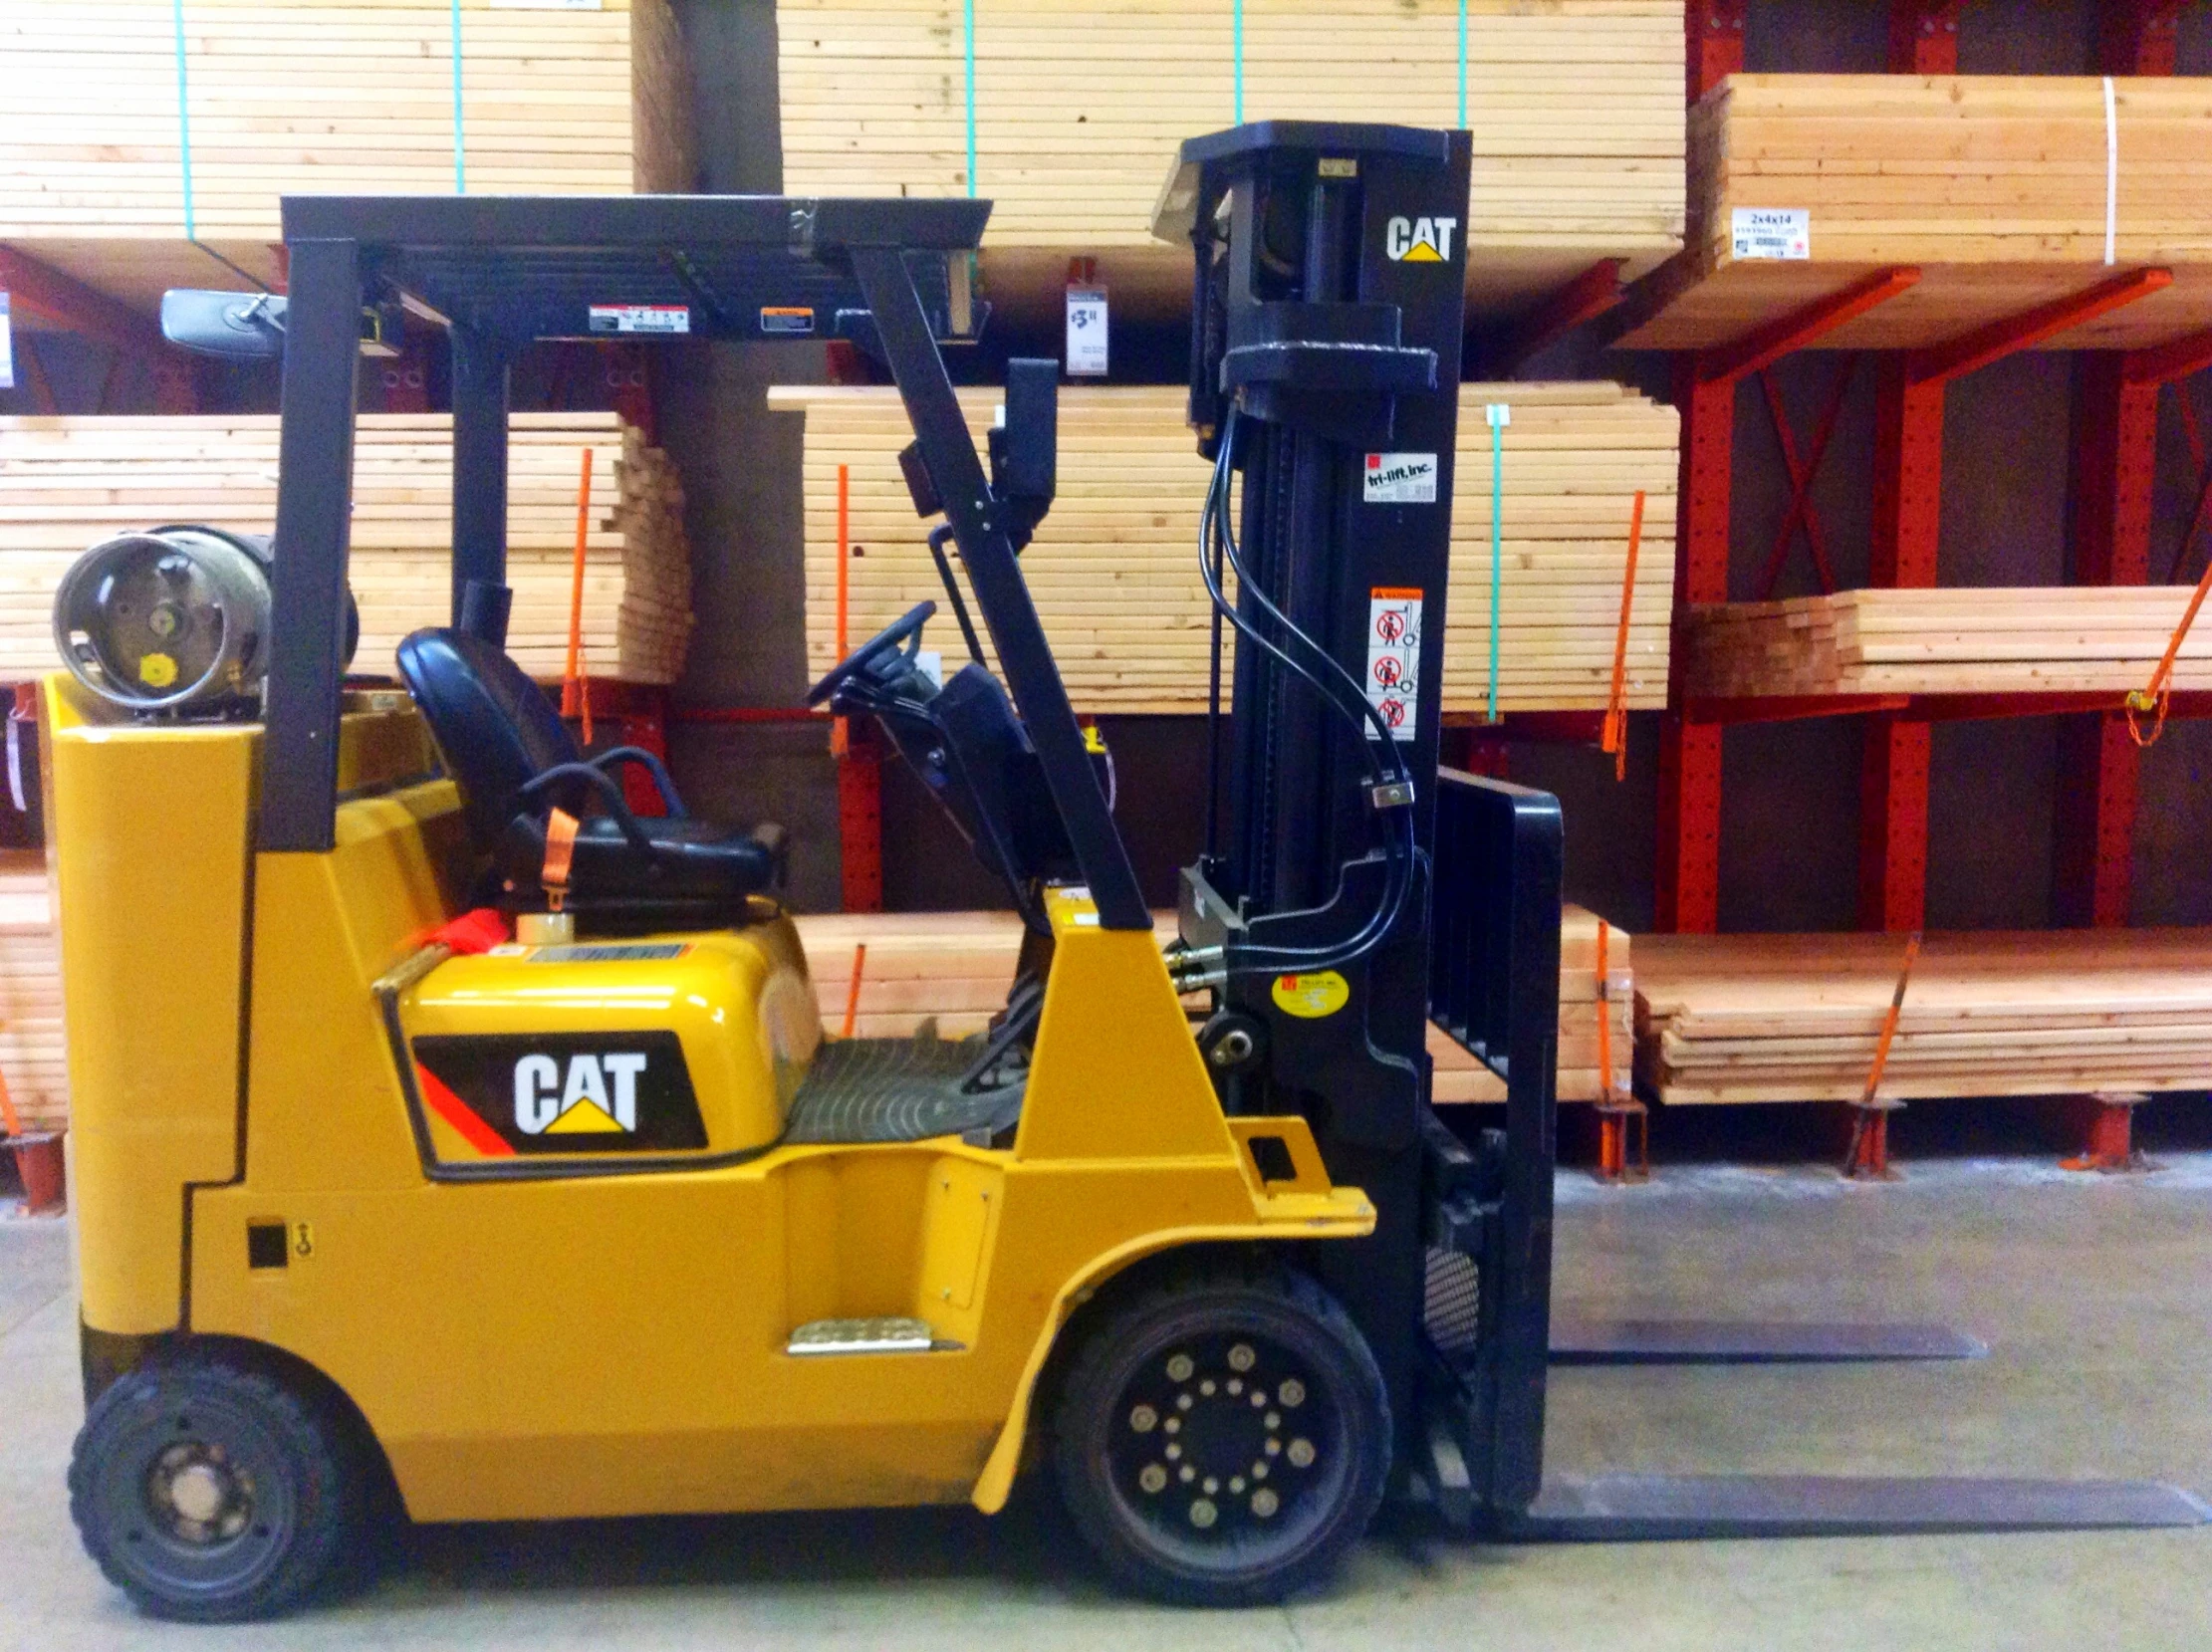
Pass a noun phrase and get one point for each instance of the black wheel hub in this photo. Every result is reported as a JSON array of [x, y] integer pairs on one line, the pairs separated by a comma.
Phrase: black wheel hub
[[196, 1499], [1222, 1441]]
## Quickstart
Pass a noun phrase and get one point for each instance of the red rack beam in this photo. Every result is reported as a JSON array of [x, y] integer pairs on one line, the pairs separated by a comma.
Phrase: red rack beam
[[1585, 297], [2139, 36], [1714, 34], [1688, 878], [1924, 37], [1908, 522], [41, 293]]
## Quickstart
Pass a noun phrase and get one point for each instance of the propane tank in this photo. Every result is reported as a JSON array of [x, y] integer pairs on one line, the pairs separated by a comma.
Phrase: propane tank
[[174, 620]]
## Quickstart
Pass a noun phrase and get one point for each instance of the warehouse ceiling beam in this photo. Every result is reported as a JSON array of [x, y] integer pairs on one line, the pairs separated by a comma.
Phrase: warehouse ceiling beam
[[1581, 300], [1924, 37], [2164, 364]]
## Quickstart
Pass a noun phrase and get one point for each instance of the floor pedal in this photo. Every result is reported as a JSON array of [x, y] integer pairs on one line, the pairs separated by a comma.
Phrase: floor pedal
[[887, 1335]]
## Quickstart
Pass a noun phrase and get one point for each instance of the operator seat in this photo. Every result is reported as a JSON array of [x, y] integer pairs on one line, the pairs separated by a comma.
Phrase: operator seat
[[515, 762]]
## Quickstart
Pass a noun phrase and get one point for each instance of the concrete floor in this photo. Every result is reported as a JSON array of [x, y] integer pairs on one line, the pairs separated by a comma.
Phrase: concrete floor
[[2092, 1293]]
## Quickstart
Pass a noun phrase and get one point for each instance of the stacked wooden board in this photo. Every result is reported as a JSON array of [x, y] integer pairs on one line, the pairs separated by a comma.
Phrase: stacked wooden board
[[1576, 107], [2077, 639], [1115, 567], [1796, 1018], [955, 968], [133, 129], [68, 482], [33, 1064], [2005, 193]]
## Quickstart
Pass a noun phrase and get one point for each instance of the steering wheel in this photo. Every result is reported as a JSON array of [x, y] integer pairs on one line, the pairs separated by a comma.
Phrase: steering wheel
[[865, 659]]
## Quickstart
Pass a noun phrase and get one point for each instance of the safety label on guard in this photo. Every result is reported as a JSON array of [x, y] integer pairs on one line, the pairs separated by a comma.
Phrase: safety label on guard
[[1773, 232], [641, 318], [1400, 479], [1395, 656], [783, 320]]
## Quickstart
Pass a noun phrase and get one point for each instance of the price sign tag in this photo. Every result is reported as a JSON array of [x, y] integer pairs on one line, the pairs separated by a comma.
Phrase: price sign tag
[[1087, 333]]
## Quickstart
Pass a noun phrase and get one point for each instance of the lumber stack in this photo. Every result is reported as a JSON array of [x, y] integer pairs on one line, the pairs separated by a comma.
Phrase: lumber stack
[[68, 482], [2078, 639], [956, 968], [1796, 1018], [1079, 109], [1994, 187], [33, 1062], [327, 96], [1114, 568]]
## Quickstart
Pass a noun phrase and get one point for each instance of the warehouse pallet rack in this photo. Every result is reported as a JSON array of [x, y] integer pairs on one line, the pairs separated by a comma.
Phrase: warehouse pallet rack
[[2115, 437]]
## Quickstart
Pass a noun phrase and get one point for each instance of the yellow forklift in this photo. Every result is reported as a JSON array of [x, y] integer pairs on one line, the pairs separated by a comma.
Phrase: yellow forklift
[[455, 1139]]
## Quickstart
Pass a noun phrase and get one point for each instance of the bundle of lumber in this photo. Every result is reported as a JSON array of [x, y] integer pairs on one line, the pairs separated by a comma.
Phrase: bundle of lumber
[[68, 482], [133, 129], [2076, 639], [1796, 1018], [33, 1064], [1073, 116], [955, 968], [1114, 568], [2005, 193]]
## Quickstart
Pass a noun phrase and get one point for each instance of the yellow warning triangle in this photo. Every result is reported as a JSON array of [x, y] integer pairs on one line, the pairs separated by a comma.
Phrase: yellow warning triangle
[[586, 1116], [1420, 251]]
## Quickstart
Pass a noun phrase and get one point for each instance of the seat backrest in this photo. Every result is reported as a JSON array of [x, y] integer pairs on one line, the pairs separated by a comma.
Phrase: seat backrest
[[495, 726]]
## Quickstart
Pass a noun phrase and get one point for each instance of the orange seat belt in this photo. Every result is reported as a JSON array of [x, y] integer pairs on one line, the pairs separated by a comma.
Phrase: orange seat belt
[[561, 830]]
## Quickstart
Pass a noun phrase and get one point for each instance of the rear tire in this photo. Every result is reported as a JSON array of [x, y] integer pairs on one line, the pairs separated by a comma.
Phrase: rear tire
[[212, 1491], [1223, 1439]]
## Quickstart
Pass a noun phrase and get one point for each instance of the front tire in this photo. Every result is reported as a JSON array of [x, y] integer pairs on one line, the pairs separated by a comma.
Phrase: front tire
[[1224, 1439], [213, 1493]]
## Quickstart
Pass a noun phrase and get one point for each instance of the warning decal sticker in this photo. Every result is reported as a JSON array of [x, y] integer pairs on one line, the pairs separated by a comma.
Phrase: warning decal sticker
[[641, 318], [1393, 657], [1400, 479]]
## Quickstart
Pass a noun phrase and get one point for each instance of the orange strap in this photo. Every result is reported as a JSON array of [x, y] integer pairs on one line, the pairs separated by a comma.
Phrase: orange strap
[[1605, 1019], [1615, 736], [9, 1118], [1890, 1022], [561, 829], [2159, 693], [575, 688], [852, 992]]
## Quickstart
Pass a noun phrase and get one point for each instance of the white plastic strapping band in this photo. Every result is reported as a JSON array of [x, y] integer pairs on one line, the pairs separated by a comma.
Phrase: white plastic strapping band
[[2111, 174]]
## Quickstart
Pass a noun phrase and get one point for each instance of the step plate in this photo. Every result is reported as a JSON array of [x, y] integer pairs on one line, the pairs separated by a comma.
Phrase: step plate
[[1623, 1508], [1750, 1342], [826, 1336]]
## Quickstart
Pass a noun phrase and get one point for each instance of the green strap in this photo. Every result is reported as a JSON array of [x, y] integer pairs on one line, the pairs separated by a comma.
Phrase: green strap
[[460, 169], [1462, 62], [184, 122], [1500, 415], [1236, 51], [968, 34]]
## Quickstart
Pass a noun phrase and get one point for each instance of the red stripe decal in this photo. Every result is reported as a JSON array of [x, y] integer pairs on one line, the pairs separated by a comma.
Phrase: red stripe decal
[[461, 1116]]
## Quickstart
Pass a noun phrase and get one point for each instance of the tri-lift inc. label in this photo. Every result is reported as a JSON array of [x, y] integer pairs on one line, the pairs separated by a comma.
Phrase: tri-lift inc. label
[[1400, 479], [641, 318], [1773, 232], [1395, 656]]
